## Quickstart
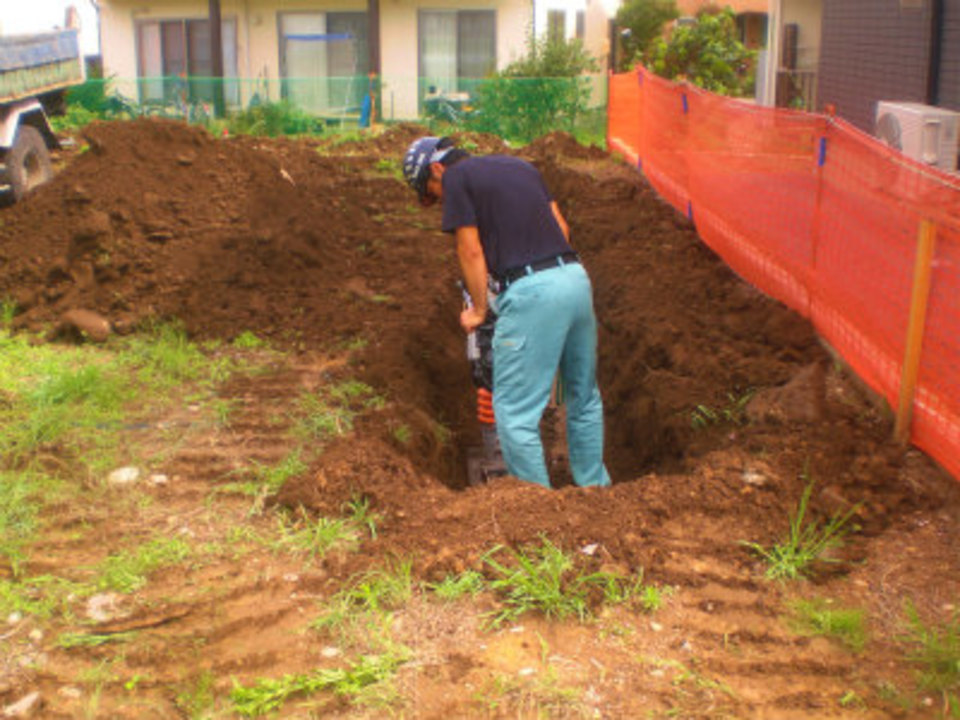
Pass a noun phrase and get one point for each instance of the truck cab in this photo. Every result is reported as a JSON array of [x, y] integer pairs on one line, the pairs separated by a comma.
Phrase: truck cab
[[35, 73]]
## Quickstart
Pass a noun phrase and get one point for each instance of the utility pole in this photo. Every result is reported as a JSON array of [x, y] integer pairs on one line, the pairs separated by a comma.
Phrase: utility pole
[[216, 57]]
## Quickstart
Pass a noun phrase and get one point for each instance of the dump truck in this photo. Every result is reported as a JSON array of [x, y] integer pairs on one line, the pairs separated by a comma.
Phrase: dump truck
[[35, 73]]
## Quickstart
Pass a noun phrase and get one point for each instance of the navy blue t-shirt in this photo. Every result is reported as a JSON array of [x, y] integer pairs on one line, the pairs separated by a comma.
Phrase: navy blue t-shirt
[[506, 199]]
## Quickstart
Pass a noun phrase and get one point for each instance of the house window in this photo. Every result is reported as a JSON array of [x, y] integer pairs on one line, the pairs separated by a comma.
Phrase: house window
[[556, 25], [456, 48], [324, 60], [175, 64], [581, 24]]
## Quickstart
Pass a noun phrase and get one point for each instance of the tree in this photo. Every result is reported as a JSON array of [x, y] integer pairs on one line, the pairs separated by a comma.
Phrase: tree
[[640, 23], [546, 90], [708, 54]]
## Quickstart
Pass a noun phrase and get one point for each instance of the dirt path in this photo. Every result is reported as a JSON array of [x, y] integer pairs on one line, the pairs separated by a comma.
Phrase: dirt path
[[721, 406]]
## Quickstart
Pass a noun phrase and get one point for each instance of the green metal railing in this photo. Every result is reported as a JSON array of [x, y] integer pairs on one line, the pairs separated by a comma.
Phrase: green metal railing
[[519, 109]]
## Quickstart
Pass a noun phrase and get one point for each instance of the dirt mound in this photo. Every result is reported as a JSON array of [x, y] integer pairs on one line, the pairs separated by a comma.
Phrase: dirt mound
[[312, 247]]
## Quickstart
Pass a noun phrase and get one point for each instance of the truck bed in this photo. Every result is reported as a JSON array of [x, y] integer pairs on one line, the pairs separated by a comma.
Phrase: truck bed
[[31, 65]]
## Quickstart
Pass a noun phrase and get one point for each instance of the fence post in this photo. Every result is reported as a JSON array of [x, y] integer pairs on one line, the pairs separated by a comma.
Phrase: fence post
[[926, 241]]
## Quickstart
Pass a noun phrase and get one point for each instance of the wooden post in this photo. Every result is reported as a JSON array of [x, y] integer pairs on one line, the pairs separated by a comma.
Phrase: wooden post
[[918, 314]]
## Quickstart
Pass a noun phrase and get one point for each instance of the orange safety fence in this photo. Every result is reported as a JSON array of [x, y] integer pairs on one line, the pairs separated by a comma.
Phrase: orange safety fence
[[819, 215]]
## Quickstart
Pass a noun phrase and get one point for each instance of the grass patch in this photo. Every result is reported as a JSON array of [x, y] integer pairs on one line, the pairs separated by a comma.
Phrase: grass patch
[[128, 571], [19, 509], [42, 595], [331, 410], [362, 612], [545, 579], [818, 616], [268, 695], [540, 696], [807, 542], [935, 649]]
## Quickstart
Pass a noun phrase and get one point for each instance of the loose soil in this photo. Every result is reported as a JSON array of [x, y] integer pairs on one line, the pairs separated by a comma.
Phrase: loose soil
[[319, 248]]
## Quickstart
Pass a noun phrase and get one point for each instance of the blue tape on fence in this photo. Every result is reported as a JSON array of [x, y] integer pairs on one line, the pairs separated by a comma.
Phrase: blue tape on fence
[[640, 164], [686, 107], [690, 210], [320, 37], [822, 159]]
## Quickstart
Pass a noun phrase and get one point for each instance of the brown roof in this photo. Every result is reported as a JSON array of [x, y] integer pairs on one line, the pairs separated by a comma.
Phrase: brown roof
[[690, 7]]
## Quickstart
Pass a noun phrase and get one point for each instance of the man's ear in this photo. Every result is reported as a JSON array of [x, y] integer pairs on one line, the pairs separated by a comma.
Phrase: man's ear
[[437, 170]]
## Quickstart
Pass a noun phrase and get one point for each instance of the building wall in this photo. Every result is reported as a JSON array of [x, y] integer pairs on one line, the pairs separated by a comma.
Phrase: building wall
[[874, 50], [949, 95], [398, 40], [258, 53], [808, 16]]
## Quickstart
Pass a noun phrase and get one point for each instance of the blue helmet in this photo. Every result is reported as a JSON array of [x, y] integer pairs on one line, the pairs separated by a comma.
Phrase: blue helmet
[[416, 163]]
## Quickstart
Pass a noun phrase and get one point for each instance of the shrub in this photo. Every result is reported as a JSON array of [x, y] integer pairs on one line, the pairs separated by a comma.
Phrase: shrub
[[708, 54], [544, 91]]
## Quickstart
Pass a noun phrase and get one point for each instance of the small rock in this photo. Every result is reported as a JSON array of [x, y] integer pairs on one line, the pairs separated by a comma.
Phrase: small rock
[[25, 707], [526, 672], [160, 236], [87, 323], [186, 159], [159, 479], [124, 476], [657, 672], [655, 626], [36, 635], [103, 607], [70, 693], [752, 477], [590, 549], [291, 577], [330, 651], [14, 617]]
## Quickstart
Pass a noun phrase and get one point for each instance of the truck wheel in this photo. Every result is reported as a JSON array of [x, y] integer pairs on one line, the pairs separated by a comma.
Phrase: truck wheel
[[27, 162]]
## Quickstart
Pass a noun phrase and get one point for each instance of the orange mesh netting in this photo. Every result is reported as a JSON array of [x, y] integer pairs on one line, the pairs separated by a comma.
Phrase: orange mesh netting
[[818, 215]]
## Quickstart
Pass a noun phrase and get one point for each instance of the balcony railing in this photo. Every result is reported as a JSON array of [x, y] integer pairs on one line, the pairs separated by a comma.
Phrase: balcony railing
[[797, 89]]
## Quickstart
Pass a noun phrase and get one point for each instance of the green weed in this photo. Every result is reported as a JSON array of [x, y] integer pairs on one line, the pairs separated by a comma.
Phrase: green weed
[[248, 340], [935, 649], [269, 695], [8, 310], [402, 434], [452, 587], [806, 542], [270, 478], [360, 514], [316, 537], [128, 571], [732, 413], [361, 613], [86, 640], [818, 617], [196, 698]]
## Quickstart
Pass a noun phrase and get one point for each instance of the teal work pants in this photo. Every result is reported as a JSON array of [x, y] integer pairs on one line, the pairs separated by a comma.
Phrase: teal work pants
[[545, 321]]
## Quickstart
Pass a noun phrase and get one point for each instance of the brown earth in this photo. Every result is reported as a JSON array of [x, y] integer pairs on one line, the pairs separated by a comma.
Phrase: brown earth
[[320, 248]]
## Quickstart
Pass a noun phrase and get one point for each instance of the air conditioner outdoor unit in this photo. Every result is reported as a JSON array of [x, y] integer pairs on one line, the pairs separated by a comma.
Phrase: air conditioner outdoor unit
[[923, 132]]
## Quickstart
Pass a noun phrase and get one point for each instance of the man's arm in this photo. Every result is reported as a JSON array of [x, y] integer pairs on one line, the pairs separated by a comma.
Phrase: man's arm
[[473, 265], [561, 221]]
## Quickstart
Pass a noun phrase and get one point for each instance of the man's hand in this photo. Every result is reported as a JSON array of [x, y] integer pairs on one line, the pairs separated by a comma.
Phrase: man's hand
[[471, 319]]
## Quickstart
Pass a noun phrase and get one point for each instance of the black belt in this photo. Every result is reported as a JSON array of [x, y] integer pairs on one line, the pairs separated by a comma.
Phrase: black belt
[[508, 277]]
